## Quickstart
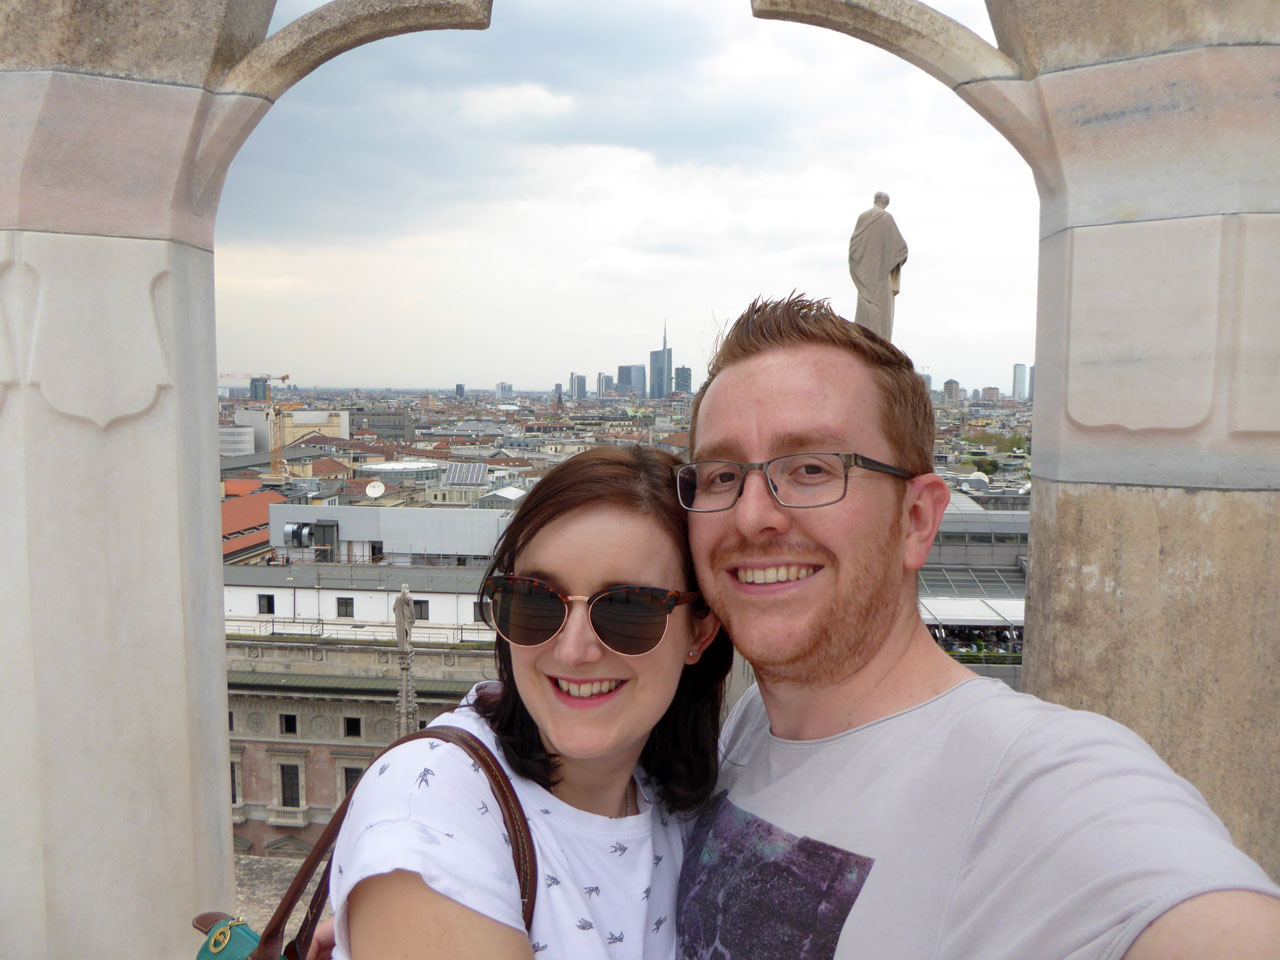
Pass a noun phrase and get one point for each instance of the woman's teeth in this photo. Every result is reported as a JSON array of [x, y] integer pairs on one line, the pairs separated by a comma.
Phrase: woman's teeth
[[779, 574], [593, 689]]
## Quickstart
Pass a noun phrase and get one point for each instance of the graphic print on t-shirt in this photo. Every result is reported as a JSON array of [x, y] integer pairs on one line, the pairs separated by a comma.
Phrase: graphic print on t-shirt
[[750, 891]]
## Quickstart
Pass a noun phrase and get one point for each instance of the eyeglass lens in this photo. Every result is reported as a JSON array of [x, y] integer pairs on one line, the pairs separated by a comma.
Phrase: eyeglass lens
[[799, 480], [628, 620]]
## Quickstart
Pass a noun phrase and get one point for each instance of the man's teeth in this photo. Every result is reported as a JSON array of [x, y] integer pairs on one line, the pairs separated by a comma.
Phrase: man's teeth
[[777, 574], [593, 689]]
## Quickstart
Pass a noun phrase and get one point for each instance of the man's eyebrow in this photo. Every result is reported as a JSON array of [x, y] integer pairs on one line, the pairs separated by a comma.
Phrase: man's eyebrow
[[783, 443]]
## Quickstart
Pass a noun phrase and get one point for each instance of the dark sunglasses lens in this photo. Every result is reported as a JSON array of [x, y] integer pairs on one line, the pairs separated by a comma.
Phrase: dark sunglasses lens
[[631, 620], [525, 613]]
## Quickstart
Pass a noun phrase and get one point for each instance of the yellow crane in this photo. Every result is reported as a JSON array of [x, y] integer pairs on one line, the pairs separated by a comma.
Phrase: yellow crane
[[275, 427]]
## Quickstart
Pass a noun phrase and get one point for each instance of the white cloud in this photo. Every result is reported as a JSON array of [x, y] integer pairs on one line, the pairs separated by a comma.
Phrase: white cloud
[[498, 103]]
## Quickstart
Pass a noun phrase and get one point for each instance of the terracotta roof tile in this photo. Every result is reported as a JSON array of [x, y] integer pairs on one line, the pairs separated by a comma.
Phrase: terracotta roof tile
[[245, 513]]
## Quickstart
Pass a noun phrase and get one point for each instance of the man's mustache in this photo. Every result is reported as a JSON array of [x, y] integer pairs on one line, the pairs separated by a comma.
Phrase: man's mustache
[[793, 550]]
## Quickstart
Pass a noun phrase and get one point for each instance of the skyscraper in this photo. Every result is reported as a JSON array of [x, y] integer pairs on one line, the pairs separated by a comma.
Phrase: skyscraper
[[579, 386], [631, 380], [660, 369], [1019, 381], [604, 384], [459, 390], [1031, 384], [503, 391], [258, 388], [928, 381], [684, 380], [951, 390]]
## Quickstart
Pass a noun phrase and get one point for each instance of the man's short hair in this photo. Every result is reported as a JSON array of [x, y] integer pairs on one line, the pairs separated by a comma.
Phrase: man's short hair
[[906, 412]]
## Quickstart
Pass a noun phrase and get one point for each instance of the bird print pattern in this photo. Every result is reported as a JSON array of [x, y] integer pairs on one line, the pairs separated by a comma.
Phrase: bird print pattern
[[606, 891]]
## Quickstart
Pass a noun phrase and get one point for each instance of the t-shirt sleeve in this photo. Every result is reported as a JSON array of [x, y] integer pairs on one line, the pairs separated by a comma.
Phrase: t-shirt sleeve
[[426, 808], [1085, 837]]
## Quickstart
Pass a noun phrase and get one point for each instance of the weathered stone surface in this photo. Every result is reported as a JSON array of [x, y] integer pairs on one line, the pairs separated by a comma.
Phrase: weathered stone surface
[[261, 883], [914, 31], [182, 41], [1159, 608], [1046, 35]]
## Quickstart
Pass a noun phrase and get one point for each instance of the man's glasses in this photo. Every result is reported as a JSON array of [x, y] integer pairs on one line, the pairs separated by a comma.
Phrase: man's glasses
[[796, 480], [627, 619]]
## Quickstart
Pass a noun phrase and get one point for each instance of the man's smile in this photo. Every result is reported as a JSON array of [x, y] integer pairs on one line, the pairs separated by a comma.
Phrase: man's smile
[[777, 573]]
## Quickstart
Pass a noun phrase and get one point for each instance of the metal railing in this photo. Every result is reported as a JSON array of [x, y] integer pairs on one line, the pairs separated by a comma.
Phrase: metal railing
[[310, 628]]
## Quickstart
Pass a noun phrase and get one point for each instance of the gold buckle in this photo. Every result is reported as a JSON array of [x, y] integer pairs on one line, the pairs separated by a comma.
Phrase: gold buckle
[[222, 936]]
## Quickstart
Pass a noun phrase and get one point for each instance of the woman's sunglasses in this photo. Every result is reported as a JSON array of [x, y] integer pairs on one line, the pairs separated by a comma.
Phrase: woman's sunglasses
[[628, 620]]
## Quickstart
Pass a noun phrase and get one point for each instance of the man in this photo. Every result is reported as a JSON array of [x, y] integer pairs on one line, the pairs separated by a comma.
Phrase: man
[[881, 800], [876, 255]]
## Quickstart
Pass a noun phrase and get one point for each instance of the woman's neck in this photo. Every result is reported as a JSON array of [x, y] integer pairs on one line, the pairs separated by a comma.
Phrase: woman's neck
[[597, 786]]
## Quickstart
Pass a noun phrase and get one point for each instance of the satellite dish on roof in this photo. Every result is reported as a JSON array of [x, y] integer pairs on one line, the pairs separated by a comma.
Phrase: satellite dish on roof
[[376, 489]]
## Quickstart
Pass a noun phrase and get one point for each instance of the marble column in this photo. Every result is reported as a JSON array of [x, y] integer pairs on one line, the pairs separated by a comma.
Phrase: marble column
[[117, 125], [1152, 131]]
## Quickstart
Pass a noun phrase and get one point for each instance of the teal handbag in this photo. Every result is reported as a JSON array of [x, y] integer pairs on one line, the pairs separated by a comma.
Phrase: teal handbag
[[230, 938]]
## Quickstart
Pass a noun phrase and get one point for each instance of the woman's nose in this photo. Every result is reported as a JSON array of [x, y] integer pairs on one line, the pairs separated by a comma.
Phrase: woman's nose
[[577, 642]]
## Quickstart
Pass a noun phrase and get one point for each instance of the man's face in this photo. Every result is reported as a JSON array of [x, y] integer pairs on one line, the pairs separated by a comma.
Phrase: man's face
[[832, 577]]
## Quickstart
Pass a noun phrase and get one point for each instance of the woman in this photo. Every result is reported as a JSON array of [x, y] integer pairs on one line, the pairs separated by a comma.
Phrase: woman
[[605, 714]]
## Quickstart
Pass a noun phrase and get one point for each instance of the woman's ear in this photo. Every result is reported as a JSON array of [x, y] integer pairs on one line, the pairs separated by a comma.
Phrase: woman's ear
[[705, 628]]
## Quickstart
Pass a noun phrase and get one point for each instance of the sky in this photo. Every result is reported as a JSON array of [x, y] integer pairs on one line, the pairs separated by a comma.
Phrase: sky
[[540, 198]]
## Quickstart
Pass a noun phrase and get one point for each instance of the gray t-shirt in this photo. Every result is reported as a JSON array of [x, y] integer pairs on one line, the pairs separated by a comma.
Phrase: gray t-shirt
[[982, 823]]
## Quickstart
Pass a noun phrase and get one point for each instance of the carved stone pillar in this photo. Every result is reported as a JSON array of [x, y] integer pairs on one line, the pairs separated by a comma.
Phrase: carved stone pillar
[[119, 122], [1152, 131]]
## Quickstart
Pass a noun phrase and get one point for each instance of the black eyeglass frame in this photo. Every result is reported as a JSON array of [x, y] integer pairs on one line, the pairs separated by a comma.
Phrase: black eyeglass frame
[[670, 600], [849, 460]]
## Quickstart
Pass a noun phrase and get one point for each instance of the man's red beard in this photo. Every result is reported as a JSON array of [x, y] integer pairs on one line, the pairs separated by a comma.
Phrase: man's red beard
[[838, 639]]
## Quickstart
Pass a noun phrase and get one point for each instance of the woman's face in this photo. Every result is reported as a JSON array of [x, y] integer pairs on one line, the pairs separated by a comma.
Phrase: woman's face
[[580, 553]]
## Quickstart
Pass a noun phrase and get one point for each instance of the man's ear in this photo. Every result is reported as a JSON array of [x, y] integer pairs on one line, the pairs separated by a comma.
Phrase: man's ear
[[705, 628], [923, 504]]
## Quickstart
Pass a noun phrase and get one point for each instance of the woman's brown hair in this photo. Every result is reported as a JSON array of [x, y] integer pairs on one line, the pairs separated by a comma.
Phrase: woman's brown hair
[[680, 754]]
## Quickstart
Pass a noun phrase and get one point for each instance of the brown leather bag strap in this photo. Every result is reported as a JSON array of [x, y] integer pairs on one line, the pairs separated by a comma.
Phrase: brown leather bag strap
[[522, 852]]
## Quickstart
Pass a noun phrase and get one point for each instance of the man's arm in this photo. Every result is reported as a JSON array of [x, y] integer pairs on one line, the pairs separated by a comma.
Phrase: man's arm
[[1230, 923]]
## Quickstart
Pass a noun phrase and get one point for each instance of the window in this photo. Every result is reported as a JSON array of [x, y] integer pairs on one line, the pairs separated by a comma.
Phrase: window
[[979, 536], [420, 608], [351, 726], [289, 724], [235, 783], [346, 606], [231, 720], [1005, 536], [350, 777], [290, 785], [266, 603], [951, 536]]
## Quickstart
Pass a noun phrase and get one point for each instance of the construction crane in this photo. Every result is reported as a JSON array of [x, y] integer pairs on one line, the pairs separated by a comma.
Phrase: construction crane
[[275, 427]]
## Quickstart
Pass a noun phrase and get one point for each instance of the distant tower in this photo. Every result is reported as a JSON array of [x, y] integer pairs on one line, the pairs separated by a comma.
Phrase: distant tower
[[459, 390], [684, 380], [951, 390], [1031, 383], [660, 369], [1019, 381], [258, 388], [579, 386]]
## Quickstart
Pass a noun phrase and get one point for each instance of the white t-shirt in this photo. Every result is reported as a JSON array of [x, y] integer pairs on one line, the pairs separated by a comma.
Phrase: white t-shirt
[[981, 824], [606, 886]]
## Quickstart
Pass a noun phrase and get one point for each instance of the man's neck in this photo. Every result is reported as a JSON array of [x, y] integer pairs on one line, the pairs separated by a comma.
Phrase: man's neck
[[907, 669]]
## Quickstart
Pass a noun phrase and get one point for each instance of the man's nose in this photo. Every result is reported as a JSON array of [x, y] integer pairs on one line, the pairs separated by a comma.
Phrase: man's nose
[[757, 513], [577, 642]]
